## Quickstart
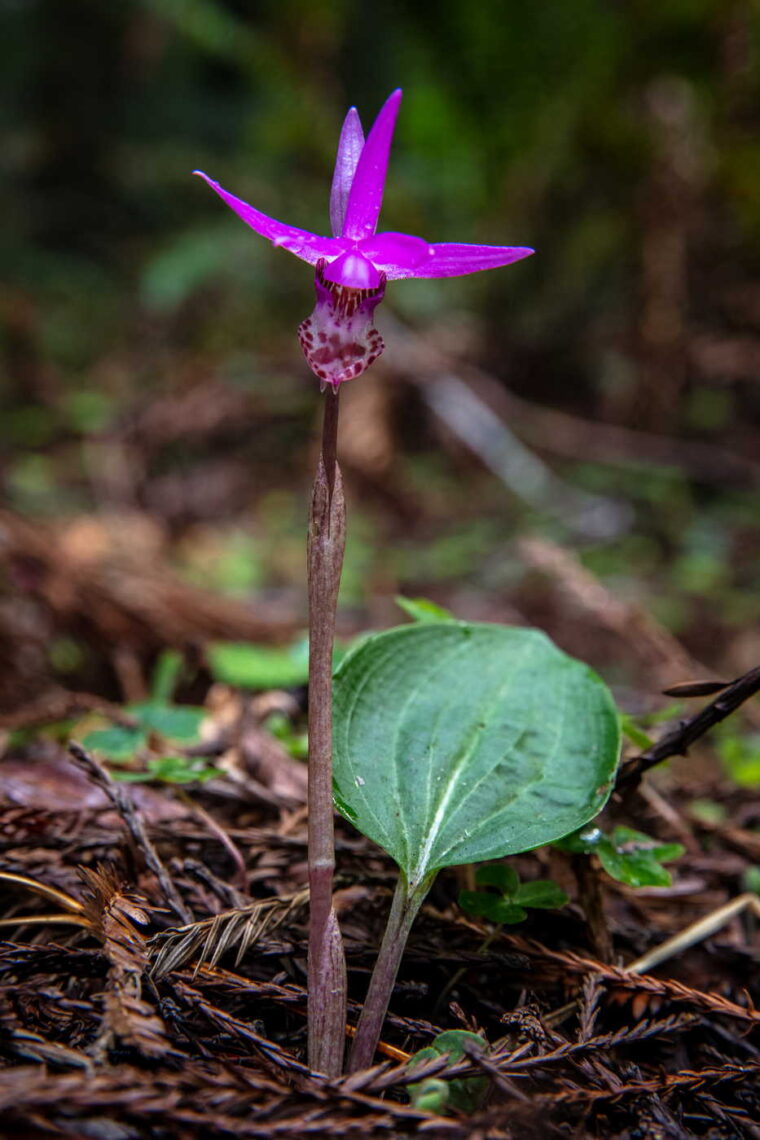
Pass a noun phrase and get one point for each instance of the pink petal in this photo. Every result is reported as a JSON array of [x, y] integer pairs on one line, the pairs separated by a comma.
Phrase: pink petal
[[366, 195], [309, 247], [396, 255], [350, 147], [452, 259]]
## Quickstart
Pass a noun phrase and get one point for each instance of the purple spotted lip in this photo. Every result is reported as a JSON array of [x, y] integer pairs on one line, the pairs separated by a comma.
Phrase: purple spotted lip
[[339, 339]]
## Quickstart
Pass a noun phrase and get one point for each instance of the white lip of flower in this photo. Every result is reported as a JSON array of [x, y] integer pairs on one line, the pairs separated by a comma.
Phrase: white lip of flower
[[339, 339]]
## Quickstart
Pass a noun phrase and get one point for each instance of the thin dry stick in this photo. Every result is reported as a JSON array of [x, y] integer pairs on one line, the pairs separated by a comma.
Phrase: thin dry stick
[[122, 801], [697, 931], [327, 963]]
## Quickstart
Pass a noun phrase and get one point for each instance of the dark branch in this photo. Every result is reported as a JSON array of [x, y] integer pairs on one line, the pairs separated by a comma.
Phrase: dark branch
[[677, 741]]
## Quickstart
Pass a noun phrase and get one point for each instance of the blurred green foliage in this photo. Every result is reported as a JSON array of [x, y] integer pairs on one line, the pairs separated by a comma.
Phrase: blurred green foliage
[[521, 123], [740, 754], [621, 140], [249, 666]]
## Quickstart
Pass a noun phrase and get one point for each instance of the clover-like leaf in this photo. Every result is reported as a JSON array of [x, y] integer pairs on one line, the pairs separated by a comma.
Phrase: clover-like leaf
[[458, 742], [494, 908], [499, 875], [433, 1094], [636, 859], [541, 894], [629, 856]]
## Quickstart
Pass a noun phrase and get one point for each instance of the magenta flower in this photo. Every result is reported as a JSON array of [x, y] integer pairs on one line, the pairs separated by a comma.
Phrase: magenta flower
[[339, 339]]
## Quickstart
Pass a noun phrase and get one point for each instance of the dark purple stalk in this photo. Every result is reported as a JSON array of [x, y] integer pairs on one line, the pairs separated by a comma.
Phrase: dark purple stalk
[[404, 910], [327, 964]]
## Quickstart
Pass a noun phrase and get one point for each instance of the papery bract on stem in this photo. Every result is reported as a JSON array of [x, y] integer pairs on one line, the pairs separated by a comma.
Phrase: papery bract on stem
[[339, 339]]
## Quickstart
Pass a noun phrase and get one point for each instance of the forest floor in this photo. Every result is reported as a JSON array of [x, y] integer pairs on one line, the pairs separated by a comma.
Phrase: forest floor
[[152, 978]]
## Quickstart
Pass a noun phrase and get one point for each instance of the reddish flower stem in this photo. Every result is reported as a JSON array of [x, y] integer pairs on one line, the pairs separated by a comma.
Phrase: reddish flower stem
[[327, 964]]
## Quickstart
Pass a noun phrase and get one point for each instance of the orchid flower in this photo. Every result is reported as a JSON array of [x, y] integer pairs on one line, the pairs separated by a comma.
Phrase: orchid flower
[[339, 339]]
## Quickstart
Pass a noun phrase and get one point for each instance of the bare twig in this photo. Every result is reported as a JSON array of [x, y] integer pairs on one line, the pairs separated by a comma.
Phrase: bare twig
[[122, 801], [703, 928], [677, 741]]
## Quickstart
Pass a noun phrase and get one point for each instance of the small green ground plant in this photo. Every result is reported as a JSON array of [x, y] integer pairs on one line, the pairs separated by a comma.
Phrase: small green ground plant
[[155, 734], [626, 855], [509, 900], [435, 1095]]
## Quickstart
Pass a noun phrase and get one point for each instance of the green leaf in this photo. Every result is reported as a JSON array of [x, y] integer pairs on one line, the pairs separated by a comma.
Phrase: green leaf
[[432, 1094], [541, 894], [508, 912], [117, 743], [259, 666], [422, 609], [179, 770], [751, 880], [741, 756], [170, 770], [165, 677], [458, 743], [457, 1043], [176, 722], [296, 743], [635, 734], [494, 908], [499, 875], [635, 859], [435, 1095], [130, 777], [626, 838]]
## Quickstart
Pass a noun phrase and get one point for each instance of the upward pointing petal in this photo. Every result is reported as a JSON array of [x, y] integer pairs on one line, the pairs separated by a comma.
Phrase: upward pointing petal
[[350, 147], [453, 259], [309, 247], [366, 195]]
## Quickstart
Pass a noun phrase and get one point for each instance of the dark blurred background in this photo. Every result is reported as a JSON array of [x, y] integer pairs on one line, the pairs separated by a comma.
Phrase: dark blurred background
[[601, 398]]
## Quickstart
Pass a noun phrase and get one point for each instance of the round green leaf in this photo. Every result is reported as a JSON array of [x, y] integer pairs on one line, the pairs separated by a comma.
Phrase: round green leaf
[[457, 743]]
